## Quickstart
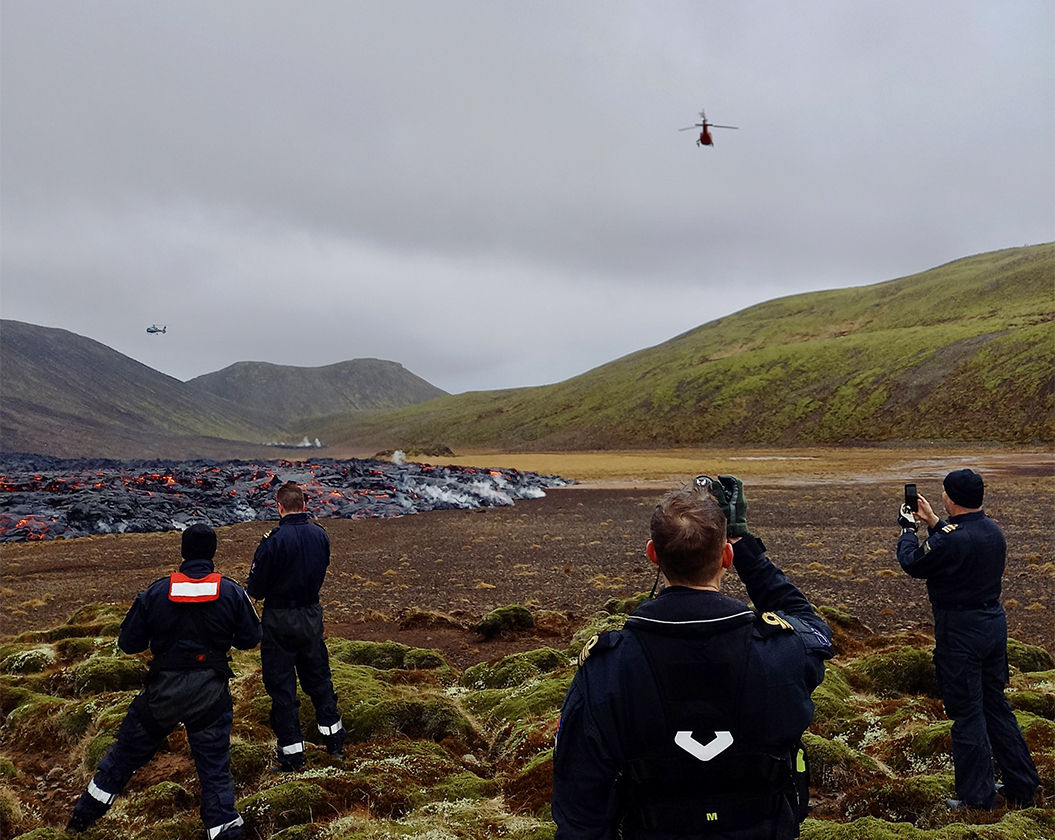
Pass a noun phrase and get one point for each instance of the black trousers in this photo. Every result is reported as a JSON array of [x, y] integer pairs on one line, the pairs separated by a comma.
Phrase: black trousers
[[201, 701], [293, 648], [970, 656]]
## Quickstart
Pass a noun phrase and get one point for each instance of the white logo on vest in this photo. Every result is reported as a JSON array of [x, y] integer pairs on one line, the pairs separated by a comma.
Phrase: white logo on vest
[[704, 752]]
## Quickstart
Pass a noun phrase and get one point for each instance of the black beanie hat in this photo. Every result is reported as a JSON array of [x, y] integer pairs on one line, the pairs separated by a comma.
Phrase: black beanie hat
[[965, 488], [199, 542]]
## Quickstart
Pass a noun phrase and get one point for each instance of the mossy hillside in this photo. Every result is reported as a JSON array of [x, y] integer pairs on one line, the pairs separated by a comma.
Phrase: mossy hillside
[[850, 364], [439, 754]]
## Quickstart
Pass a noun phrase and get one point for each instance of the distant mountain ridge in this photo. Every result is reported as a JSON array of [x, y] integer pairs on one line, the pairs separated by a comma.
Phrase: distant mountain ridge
[[287, 394], [70, 396]]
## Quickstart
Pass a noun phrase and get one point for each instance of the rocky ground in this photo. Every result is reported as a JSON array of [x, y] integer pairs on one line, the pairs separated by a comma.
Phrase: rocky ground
[[427, 580]]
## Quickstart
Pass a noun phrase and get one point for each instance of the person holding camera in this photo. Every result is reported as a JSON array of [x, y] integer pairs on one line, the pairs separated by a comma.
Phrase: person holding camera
[[289, 567], [688, 721], [962, 561]]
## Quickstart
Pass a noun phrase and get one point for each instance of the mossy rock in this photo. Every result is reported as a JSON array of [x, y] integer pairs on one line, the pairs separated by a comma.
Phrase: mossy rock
[[915, 799], [31, 660], [935, 739], [596, 624], [1028, 658], [76, 718], [46, 833], [104, 613], [76, 648], [106, 673], [514, 670], [372, 707], [31, 722], [834, 766], [625, 606], [8, 770], [1039, 732], [292, 803], [1034, 702], [96, 749], [905, 670], [12, 815], [542, 696], [1033, 824], [385, 655], [832, 701], [12, 695], [249, 760], [162, 798], [505, 620]]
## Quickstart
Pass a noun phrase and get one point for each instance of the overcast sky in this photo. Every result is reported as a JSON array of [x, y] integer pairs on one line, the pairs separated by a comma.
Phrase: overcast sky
[[496, 194]]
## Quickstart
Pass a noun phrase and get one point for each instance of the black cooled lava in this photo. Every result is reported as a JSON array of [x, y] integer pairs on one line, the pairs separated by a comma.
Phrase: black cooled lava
[[43, 498]]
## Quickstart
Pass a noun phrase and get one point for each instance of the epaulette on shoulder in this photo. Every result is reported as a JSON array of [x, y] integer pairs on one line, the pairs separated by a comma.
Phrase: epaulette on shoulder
[[267, 534], [603, 641], [948, 529], [769, 624]]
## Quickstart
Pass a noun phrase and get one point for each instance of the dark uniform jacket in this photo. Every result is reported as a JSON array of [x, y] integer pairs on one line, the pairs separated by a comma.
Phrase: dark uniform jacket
[[290, 564], [190, 633], [686, 722], [962, 561]]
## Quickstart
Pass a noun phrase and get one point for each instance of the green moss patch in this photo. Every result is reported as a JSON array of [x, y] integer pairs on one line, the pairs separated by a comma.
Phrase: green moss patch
[[905, 670], [514, 670], [504, 621], [1028, 658]]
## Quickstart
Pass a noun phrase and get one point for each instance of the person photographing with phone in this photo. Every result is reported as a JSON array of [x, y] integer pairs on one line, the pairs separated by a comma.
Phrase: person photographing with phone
[[962, 560], [687, 723]]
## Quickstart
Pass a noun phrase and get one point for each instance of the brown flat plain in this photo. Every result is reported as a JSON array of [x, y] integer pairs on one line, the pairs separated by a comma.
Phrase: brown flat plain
[[827, 517]]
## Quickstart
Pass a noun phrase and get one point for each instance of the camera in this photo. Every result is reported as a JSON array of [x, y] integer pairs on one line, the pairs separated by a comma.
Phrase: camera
[[911, 499]]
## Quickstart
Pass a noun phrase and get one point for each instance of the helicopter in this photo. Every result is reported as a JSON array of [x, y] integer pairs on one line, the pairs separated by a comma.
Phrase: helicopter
[[154, 329], [705, 138]]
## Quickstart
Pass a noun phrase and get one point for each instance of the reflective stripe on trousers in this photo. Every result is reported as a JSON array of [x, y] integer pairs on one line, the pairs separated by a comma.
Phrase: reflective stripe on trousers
[[100, 795], [216, 831]]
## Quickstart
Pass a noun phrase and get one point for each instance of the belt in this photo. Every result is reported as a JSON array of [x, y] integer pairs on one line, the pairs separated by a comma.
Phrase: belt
[[984, 605], [289, 603]]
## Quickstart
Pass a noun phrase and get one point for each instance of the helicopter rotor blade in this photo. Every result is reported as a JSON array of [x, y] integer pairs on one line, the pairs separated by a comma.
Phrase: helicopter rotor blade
[[712, 125], [689, 127]]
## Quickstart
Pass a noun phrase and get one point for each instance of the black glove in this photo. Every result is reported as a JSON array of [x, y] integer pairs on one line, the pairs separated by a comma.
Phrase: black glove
[[906, 520], [734, 505]]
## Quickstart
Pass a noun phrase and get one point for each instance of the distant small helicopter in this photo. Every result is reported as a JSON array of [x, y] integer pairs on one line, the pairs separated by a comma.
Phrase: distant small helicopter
[[154, 329], [705, 138]]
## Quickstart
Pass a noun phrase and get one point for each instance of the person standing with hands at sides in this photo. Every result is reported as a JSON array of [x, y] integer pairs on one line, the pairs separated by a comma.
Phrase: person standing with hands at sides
[[962, 561], [687, 723], [189, 620], [288, 571]]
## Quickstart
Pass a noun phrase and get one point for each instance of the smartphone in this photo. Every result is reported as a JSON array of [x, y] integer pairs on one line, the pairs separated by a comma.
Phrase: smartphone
[[911, 499]]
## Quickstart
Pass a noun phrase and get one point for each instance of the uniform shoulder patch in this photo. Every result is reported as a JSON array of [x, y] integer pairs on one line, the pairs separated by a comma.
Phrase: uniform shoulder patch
[[948, 529], [769, 623], [267, 534], [602, 641]]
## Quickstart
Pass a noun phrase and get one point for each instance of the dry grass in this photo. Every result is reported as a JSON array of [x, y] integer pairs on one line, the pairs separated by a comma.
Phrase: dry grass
[[769, 464]]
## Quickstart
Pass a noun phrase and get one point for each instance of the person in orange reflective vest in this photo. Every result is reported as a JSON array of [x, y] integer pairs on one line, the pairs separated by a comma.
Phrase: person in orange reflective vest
[[189, 620]]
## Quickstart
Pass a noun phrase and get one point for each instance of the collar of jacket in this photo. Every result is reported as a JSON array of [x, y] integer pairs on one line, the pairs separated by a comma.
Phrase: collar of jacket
[[683, 604], [197, 568]]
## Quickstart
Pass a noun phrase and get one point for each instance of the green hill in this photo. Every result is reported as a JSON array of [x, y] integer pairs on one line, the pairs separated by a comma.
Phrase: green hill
[[963, 352]]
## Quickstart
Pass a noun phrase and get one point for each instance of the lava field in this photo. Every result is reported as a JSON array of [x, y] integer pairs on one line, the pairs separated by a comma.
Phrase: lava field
[[45, 498]]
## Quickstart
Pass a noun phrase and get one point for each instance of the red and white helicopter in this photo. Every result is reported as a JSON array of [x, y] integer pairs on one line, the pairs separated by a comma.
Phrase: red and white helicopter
[[705, 127]]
